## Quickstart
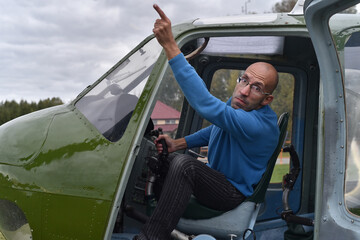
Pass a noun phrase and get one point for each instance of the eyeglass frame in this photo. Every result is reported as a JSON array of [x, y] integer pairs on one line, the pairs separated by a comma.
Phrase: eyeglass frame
[[251, 85]]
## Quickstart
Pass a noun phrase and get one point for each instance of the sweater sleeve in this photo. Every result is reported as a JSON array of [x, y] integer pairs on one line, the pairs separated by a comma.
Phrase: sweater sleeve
[[235, 121], [199, 138]]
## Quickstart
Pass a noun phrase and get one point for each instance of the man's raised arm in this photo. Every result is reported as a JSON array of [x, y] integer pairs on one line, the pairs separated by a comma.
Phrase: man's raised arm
[[163, 33]]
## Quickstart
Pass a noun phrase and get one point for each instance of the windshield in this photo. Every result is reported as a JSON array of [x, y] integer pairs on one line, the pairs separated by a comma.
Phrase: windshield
[[109, 105]]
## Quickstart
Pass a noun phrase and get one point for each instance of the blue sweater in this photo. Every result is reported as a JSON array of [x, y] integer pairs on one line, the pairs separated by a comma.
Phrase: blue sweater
[[240, 143]]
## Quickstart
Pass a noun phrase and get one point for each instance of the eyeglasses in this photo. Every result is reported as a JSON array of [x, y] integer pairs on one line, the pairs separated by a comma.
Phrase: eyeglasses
[[254, 89]]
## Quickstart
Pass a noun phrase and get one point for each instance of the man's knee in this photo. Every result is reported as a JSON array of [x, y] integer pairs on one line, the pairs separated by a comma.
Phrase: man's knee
[[184, 165], [181, 161]]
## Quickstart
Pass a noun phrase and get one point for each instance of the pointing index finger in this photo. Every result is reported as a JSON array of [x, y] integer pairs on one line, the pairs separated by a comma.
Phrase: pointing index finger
[[160, 12]]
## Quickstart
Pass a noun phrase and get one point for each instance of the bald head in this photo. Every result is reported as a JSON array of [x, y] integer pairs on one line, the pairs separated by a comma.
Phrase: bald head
[[266, 72], [264, 77]]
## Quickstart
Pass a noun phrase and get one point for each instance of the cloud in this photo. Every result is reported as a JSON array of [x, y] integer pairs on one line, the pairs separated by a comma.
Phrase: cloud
[[56, 48]]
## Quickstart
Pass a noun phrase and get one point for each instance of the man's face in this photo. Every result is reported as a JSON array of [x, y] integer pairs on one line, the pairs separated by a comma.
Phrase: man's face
[[257, 75]]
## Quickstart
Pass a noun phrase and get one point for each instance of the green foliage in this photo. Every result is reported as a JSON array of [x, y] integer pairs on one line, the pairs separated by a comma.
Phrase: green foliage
[[11, 109], [284, 97], [355, 211], [223, 83], [284, 6], [170, 92]]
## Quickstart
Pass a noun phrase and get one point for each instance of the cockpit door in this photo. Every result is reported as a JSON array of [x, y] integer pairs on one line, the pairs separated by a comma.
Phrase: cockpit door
[[332, 218]]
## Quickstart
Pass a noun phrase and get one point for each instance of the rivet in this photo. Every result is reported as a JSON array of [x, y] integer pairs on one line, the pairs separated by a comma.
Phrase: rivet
[[340, 203], [352, 220], [342, 146]]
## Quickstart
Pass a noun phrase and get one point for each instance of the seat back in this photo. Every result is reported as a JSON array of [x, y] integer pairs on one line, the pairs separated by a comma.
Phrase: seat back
[[221, 224], [258, 195]]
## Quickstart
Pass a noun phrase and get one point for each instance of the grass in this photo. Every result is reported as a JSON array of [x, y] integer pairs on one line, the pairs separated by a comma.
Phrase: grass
[[285, 154], [279, 171], [355, 211]]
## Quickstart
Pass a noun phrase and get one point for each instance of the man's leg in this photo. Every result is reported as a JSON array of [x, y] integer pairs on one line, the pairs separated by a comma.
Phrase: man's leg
[[188, 176]]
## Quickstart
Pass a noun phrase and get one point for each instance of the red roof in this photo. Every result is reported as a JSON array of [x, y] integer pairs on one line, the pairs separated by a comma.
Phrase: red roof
[[163, 111]]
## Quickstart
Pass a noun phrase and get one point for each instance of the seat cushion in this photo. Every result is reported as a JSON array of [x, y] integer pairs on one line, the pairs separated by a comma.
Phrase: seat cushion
[[235, 221], [195, 210]]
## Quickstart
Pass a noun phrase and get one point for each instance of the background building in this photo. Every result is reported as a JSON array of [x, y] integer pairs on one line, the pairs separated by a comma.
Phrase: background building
[[165, 117]]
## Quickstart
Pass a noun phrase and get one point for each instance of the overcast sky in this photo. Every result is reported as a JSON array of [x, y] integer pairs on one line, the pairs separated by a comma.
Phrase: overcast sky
[[55, 48]]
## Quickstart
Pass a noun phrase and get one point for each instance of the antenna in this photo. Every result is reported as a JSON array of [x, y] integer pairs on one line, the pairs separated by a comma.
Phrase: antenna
[[244, 8]]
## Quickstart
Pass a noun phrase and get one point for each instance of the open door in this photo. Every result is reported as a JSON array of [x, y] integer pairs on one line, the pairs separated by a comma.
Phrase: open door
[[333, 219]]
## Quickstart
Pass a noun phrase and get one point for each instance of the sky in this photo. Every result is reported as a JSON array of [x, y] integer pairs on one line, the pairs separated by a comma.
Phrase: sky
[[56, 48]]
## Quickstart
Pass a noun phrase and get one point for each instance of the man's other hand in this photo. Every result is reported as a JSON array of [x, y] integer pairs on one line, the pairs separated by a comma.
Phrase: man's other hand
[[163, 33]]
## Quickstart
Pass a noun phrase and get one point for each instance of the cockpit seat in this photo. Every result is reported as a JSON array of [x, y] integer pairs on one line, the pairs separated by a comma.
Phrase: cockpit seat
[[198, 219]]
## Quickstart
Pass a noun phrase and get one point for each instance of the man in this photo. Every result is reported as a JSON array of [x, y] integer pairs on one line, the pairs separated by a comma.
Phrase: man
[[241, 140]]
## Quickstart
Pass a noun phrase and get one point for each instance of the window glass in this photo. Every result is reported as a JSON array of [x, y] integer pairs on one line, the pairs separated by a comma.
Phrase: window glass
[[169, 101], [346, 35], [13, 224], [222, 86], [262, 45], [283, 102], [352, 93], [109, 105]]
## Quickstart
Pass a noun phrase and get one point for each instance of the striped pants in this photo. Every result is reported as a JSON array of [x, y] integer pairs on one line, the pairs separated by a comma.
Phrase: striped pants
[[187, 176]]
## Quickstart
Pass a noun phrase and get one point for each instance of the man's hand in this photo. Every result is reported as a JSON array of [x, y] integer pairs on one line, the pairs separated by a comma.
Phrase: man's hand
[[173, 145], [169, 143], [163, 33]]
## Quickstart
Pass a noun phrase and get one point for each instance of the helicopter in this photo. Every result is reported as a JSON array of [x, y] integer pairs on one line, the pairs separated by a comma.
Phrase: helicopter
[[81, 170]]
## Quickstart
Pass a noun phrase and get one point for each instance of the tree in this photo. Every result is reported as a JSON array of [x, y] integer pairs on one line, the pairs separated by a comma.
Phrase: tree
[[288, 5], [284, 6], [170, 92], [221, 85], [11, 109], [284, 97]]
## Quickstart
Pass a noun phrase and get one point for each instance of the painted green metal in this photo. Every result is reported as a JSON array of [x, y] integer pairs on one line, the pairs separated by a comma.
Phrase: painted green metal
[[44, 170], [61, 172]]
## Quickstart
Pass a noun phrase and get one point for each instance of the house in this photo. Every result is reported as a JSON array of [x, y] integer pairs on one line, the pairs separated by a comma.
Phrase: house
[[165, 117]]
